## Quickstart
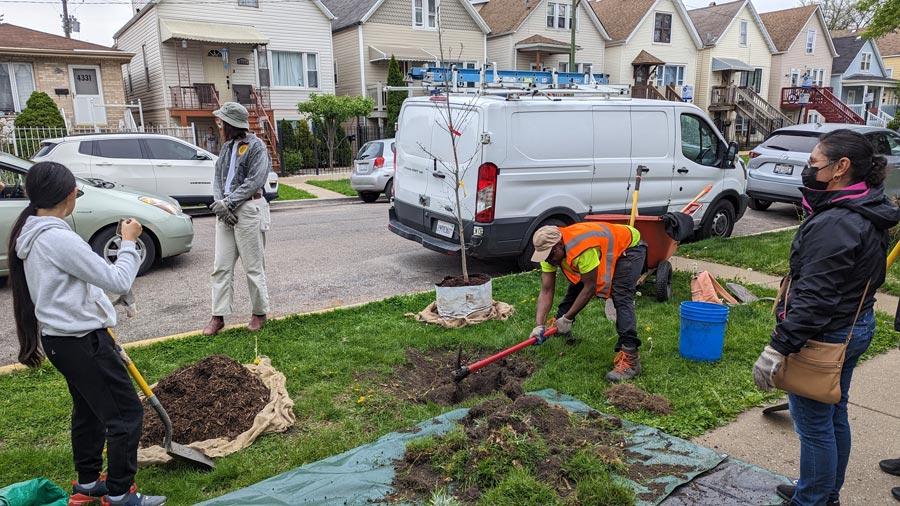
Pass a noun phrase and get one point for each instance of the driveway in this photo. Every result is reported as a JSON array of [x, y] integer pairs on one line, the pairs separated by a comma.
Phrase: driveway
[[319, 256]]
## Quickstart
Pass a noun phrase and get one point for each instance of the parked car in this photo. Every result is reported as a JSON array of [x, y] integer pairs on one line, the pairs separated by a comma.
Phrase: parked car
[[167, 231], [149, 162], [776, 163], [531, 162], [373, 170]]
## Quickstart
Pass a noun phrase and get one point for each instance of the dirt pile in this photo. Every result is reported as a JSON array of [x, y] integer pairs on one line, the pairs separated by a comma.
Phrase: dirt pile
[[216, 397], [631, 398], [525, 451], [426, 377]]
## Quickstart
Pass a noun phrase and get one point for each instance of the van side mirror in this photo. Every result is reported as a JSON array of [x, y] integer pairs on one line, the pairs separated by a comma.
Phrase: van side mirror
[[730, 155]]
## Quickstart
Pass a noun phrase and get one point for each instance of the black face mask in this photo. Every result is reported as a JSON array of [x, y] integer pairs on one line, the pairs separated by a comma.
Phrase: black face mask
[[809, 179]]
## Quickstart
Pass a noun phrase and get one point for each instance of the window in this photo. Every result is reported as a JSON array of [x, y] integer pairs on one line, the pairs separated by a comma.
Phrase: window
[[118, 148], [893, 141], [559, 16], [799, 142], [890, 72], [698, 141], [425, 13], [670, 74], [146, 66], [16, 86], [795, 77], [371, 150], [743, 34], [295, 70], [752, 80], [164, 149], [86, 148], [818, 77], [248, 3], [662, 30], [810, 41], [865, 63], [14, 184]]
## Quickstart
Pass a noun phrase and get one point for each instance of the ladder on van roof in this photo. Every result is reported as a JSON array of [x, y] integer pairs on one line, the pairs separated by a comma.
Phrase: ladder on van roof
[[510, 82]]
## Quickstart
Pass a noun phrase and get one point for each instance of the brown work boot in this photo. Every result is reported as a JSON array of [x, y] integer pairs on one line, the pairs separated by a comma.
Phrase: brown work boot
[[256, 322], [214, 326], [626, 365]]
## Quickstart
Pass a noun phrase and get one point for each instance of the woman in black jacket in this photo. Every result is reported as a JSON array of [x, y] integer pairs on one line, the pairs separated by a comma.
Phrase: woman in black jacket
[[840, 248]]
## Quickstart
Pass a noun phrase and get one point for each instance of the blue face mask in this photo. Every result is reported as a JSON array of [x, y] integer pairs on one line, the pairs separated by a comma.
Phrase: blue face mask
[[808, 177]]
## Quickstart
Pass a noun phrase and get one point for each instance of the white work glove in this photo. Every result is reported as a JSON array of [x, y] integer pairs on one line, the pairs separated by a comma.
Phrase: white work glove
[[538, 333], [768, 363], [563, 325], [229, 218], [220, 208]]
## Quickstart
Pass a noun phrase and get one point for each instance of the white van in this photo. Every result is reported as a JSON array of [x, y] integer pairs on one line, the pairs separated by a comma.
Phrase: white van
[[533, 161]]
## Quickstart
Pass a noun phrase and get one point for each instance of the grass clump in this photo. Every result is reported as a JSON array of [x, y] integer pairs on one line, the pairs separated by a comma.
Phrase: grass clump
[[341, 186], [288, 192], [520, 489]]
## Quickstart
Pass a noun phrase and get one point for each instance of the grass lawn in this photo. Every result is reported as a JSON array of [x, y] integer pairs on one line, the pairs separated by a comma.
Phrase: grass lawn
[[341, 186], [767, 253], [287, 192], [746, 159], [320, 353]]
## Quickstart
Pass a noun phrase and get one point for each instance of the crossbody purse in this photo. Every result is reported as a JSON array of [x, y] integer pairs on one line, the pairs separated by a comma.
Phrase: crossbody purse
[[815, 371]]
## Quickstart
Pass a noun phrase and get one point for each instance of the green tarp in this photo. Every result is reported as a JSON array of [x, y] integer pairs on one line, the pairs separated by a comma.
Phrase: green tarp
[[36, 492], [363, 475]]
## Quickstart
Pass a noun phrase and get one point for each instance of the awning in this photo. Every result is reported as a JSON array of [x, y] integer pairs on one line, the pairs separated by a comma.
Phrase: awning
[[720, 64], [414, 54], [210, 32], [645, 58], [541, 44]]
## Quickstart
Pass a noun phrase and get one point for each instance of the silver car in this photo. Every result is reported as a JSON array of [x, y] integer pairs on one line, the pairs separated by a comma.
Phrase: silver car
[[167, 231], [373, 170], [776, 164]]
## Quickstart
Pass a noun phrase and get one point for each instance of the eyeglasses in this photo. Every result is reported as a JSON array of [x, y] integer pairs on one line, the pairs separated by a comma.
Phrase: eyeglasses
[[817, 169]]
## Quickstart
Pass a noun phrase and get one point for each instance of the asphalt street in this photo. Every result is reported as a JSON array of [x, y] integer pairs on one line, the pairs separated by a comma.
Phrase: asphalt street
[[319, 256]]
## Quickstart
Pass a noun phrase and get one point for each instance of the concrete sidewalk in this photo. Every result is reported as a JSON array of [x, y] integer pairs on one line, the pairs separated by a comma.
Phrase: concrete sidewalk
[[769, 441], [300, 182]]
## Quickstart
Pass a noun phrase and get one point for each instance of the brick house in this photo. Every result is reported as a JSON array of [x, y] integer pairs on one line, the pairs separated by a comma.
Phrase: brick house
[[75, 74]]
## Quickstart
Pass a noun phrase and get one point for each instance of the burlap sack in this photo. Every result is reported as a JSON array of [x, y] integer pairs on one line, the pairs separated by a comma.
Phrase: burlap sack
[[276, 416], [497, 311]]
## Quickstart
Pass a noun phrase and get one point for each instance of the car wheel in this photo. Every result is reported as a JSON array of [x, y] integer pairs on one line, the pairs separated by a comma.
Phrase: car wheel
[[524, 259], [760, 205], [106, 244], [719, 221], [368, 196], [389, 189]]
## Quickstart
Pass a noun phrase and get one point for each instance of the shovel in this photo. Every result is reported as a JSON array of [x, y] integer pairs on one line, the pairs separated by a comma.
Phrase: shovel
[[462, 371], [179, 452]]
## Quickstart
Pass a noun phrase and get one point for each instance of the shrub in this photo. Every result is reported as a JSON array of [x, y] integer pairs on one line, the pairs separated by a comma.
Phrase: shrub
[[894, 124]]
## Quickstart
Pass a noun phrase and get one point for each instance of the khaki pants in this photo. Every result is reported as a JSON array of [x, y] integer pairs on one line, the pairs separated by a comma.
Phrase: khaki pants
[[247, 241]]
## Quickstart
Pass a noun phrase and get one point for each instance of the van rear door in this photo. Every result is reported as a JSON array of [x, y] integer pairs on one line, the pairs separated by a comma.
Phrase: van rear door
[[414, 163]]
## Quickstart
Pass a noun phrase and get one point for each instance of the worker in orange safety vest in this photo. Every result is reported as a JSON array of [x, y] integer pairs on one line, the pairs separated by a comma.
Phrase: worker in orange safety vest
[[599, 259]]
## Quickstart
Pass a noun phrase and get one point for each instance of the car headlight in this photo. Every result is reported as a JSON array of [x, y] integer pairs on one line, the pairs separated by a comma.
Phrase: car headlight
[[162, 204]]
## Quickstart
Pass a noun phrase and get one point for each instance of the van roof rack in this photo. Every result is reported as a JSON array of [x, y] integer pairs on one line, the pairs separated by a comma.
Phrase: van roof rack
[[510, 83]]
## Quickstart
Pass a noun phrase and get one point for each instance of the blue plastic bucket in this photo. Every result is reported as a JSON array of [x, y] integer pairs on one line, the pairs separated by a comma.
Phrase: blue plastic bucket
[[702, 331]]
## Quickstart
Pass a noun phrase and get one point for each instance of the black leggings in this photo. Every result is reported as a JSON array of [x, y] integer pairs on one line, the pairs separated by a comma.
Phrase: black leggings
[[105, 407]]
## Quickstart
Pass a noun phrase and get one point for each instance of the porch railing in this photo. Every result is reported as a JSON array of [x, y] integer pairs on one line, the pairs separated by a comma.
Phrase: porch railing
[[205, 96], [672, 93], [722, 96], [646, 91], [378, 95]]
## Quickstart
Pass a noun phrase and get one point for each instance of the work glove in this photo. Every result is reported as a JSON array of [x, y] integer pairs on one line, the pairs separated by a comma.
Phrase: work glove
[[127, 301], [768, 363], [563, 325], [220, 208], [229, 218], [538, 333]]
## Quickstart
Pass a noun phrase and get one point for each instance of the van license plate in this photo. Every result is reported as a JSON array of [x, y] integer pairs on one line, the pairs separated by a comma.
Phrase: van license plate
[[445, 229], [784, 168]]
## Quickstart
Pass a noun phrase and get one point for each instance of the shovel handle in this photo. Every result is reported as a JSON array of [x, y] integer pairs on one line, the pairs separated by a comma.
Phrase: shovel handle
[[524, 344], [893, 256], [698, 197], [132, 369]]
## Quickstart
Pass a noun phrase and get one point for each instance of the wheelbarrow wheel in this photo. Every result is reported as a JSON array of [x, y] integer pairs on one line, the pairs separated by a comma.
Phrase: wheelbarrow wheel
[[664, 281]]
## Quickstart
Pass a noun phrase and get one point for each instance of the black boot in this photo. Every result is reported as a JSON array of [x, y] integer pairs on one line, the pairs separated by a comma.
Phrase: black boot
[[890, 466], [786, 492]]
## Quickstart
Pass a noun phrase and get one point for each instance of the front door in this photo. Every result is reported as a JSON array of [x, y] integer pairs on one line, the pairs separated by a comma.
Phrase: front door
[[88, 95], [215, 71]]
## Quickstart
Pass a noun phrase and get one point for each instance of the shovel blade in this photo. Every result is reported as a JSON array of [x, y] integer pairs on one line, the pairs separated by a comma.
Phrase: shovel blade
[[190, 456]]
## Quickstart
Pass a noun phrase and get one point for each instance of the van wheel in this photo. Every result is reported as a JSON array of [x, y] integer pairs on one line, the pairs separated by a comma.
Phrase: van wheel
[[524, 259], [760, 205], [719, 221], [369, 196], [106, 244]]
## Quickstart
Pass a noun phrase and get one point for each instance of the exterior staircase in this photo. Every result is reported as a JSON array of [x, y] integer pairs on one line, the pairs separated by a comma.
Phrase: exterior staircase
[[262, 123], [763, 116], [823, 101]]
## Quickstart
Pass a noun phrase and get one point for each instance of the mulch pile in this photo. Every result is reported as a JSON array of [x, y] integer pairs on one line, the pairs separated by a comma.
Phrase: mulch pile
[[455, 281], [214, 398], [502, 422], [427, 377], [631, 398]]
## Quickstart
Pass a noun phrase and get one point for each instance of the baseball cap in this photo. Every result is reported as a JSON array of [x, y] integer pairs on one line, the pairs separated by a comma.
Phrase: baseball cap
[[234, 114], [544, 240]]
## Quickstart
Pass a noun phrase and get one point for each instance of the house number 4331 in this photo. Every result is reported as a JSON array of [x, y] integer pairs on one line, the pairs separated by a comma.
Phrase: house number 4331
[[84, 77]]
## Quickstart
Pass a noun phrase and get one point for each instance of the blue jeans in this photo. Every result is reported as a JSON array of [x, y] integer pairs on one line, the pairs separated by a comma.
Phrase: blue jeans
[[824, 429]]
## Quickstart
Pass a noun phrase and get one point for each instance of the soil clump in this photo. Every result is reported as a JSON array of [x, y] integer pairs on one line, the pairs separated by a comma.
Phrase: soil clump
[[631, 398], [216, 397]]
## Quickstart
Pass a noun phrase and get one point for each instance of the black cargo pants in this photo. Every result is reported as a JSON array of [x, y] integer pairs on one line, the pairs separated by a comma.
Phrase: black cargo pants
[[628, 270]]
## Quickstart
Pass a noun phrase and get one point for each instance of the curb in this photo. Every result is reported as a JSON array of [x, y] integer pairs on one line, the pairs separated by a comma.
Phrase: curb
[[294, 204]]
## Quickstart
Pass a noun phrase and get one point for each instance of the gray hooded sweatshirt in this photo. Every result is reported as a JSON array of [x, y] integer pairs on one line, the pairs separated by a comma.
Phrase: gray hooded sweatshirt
[[67, 279]]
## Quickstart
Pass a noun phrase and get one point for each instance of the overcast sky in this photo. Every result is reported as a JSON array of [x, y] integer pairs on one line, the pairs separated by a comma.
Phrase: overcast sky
[[100, 22]]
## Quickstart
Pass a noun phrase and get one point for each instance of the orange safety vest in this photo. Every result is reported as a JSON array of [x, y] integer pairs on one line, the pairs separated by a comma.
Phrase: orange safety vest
[[611, 241]]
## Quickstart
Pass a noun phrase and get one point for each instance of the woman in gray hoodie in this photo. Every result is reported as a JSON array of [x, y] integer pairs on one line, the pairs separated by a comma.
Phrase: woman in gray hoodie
[[58, 285]]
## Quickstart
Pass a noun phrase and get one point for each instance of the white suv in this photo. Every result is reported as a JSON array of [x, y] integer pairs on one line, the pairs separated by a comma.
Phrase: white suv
[[149, 162]]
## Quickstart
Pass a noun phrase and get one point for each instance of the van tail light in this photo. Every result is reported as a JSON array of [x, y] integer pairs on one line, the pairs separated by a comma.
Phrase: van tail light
[[753, 154], [487, 193], [379, 162]]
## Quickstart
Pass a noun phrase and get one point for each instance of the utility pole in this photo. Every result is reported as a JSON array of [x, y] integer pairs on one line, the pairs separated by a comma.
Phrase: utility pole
[[65, 15], [575, 4]]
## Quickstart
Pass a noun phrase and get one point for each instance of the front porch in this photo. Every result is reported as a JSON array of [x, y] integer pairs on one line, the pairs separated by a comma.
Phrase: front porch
[[865, 96], [531, 54]]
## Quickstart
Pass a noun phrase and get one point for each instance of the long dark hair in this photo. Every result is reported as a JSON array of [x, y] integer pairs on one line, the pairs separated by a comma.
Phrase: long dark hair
[[47, 184], [865, 165]]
